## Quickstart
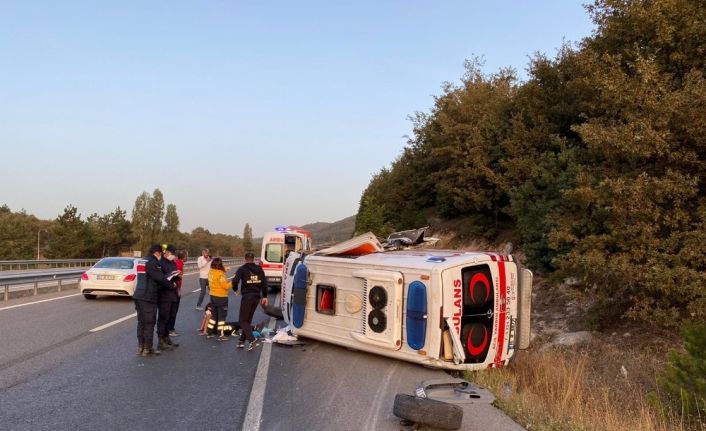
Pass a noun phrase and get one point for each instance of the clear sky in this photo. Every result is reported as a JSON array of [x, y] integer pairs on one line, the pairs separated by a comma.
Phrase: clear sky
[[274, 112]]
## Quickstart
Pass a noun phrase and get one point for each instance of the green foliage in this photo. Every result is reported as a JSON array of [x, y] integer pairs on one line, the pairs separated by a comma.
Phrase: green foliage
[[684, 379], [247, 238], [218, 244], [71, 237], [370, 218], [105, 235], [110, 234], [147, 215], [597, 162], [18, 234], [170, 233]]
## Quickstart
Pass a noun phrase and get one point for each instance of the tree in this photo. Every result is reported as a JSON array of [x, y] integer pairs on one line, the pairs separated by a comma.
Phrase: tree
[[247, 238], [147, 215], [111, 233], [71, 238], [140, 222], [370, 218], [684, 379], [123, 227], [18, 234], [597, 162], [171, 225], [155, 215]]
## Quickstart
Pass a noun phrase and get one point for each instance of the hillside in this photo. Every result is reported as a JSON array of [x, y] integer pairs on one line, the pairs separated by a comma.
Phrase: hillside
[[327, 233]]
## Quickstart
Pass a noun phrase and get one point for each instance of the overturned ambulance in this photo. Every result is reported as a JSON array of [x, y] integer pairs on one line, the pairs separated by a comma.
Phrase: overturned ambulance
[[440, 308]]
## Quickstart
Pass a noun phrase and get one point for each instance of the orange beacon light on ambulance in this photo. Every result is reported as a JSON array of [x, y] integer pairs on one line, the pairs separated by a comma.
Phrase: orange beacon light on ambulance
[[276, 246]]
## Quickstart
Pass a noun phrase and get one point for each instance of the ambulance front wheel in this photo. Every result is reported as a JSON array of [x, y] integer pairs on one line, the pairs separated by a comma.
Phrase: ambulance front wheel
[[89, 296], [424, 411]]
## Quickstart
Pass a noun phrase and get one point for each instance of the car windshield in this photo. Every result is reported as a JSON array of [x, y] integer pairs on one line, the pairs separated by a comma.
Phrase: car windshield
[[115, 263]]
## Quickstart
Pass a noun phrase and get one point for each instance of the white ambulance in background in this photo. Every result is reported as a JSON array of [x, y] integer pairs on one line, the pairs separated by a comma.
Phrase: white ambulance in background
[[275, 248]]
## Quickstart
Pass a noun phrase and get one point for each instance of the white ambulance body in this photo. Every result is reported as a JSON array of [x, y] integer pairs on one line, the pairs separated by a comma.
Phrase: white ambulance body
[[440, 308], [275, 247]]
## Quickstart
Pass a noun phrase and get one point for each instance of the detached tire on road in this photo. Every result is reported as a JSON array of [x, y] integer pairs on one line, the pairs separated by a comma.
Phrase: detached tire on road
[[89, 296], [424, 411]]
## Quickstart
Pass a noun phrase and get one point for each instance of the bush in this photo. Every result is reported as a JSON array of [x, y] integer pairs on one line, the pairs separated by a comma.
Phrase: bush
[[684, 379]]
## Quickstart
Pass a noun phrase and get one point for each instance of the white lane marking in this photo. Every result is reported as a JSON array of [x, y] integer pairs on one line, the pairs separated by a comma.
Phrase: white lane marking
[[114, 322], [37, 302], [372, 422], [253, 415]]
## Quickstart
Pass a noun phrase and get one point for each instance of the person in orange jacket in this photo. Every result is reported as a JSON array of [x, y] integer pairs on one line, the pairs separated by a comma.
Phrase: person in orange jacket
[[218, 285]]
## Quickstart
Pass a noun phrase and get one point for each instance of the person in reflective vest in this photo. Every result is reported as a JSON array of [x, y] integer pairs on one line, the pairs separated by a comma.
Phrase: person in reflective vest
[[218, 285]]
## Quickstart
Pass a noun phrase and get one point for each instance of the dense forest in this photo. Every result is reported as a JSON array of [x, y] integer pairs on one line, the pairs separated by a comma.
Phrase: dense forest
[[24, 236], [595, 163]]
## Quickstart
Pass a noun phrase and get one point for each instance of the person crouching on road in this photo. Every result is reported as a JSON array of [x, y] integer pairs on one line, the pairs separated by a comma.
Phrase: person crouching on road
[[167, 298], [251, 280], [180, 260], [218, 285], [146, 298]]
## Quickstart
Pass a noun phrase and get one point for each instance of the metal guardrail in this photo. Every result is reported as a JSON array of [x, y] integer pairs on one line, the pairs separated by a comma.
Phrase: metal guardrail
[[9, 265], [34, 278], [18, 265]]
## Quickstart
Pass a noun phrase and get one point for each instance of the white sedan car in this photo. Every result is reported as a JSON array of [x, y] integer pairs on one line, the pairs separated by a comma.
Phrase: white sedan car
[[115, 276]]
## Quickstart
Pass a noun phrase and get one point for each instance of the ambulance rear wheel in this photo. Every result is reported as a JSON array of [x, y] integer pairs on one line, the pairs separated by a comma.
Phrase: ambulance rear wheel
[[89, 296], [424, 411]]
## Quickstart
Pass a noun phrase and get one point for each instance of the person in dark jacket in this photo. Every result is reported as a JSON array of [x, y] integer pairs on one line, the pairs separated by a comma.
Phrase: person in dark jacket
[[250, 278], [146, 297], [180, 260], [168, 298]]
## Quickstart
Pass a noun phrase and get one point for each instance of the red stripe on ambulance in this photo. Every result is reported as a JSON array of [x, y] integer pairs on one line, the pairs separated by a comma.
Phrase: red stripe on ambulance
[[501, 317]]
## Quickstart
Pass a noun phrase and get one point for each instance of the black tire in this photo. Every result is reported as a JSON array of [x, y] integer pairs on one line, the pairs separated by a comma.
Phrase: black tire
[[424, 411], [89, 296]]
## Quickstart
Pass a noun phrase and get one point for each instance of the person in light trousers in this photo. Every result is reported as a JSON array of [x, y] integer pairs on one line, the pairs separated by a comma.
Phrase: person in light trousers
[[204, 264]]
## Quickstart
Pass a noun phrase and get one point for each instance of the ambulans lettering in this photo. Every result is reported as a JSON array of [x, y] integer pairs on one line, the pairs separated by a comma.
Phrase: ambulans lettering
[[458, 297]]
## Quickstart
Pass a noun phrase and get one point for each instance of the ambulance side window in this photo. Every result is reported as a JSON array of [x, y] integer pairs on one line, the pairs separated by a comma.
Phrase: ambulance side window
[[326, 299]]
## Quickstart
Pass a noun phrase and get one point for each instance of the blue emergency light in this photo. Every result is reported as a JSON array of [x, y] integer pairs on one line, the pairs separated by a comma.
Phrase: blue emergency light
[[281, 228]]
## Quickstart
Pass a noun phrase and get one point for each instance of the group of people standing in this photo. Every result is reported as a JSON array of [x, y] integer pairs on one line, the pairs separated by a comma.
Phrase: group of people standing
[[158, 294], [157, 298], [249, 281]]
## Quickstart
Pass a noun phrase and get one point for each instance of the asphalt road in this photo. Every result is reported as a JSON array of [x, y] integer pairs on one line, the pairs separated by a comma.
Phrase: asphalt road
[[55, 373]]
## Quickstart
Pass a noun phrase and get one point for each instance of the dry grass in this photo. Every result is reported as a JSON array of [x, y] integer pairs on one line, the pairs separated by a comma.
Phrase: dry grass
[[582, 389], [569, 390]]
